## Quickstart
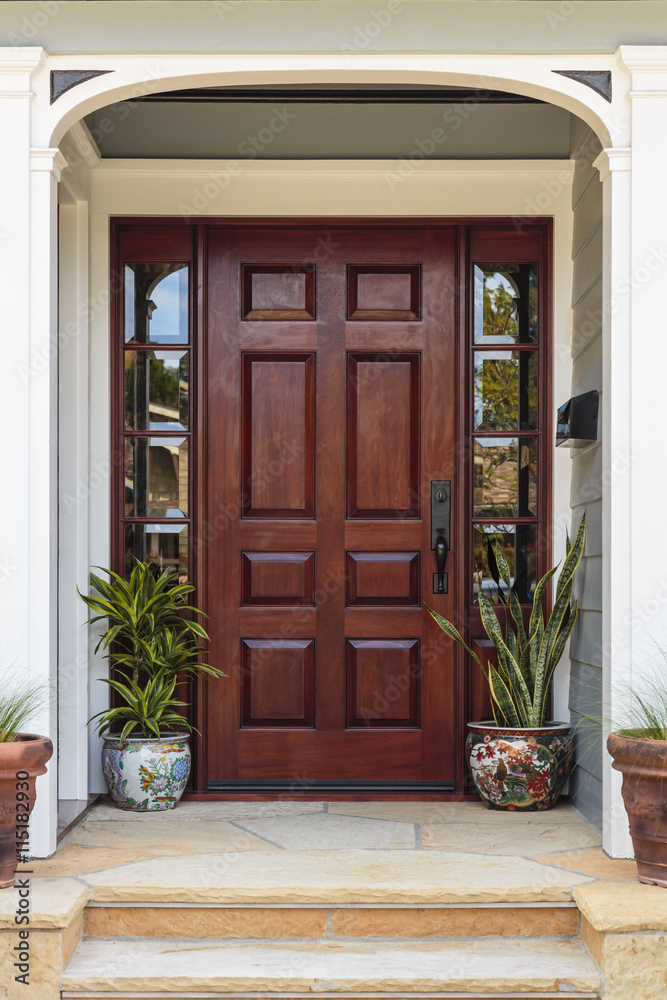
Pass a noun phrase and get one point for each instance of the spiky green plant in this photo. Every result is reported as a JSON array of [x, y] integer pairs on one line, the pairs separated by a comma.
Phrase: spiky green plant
[[18, 704], [151, 707], [150, 645], [139, 610], [520, 683]]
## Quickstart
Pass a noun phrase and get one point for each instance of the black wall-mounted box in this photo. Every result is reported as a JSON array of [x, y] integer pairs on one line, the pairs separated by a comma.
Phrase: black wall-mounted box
[[577, 421]]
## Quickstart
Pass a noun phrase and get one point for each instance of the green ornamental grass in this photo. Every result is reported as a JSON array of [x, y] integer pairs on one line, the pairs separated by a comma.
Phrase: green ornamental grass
[[17, 706]]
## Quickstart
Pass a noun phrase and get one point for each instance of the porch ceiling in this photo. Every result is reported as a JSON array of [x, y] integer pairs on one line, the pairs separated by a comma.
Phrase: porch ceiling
[[210, 128]]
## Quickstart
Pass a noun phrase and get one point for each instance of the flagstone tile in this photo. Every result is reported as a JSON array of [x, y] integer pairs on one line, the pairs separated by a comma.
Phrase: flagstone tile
[[623, 906], [54, 902], [593, 862], [327, 832], [326, 877], [173, 838], [525, 840], [454, 812], [74, 859], [331, 967], [185, 811]]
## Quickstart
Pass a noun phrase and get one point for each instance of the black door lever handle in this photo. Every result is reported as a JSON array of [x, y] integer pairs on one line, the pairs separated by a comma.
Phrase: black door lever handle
[[441, 561]]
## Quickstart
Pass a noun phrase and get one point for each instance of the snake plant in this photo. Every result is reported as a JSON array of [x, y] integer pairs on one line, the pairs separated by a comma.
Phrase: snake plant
[[150, 645], [527, 658]]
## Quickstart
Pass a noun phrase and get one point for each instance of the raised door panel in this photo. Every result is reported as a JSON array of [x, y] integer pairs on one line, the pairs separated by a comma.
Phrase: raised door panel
[[278, 292], [382, 683], [277, 578], [384, 291], [382, 579], [383, 435], [278, 434], [277, 682]]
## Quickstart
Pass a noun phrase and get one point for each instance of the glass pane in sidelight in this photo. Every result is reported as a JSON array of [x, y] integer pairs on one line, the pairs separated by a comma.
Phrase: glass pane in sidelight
[[505, 391], [505, 477], [156, 477], [505, 306], [156, 390], [517, 542], [156, 303], [163, 545]]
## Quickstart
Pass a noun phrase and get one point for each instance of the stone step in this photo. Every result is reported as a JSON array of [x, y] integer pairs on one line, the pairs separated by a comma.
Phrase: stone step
[[334, 878], [180, 920], [190, 968]]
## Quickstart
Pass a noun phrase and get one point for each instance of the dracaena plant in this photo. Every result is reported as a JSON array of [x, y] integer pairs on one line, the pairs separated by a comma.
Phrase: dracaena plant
[[150, 645], [527, 658]]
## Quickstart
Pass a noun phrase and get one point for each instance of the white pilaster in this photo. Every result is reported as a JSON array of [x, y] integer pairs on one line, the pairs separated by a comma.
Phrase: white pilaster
[[614, 166], [635, 362], [42, 382], [29, 501]]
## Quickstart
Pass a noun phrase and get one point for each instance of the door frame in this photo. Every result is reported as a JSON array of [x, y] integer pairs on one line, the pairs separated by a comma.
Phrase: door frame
[[467, 691]]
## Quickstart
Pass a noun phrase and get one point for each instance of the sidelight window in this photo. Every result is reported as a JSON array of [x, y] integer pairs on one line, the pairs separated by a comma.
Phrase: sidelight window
[[156, 338], [507, 384]]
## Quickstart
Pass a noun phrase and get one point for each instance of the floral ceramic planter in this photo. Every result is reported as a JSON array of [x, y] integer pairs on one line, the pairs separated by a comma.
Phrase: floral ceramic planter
[[519, 769], [146, 774]]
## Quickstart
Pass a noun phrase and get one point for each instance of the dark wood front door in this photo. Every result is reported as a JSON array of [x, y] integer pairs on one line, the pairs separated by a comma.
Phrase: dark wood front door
[[333, 403]]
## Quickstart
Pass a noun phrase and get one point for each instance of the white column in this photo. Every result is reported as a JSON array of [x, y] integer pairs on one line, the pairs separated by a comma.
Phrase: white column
[[614, 167], [635, 387], [28, 499], [42, 381]]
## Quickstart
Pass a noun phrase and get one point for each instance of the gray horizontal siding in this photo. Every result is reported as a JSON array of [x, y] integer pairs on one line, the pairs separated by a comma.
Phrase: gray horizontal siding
[[586, 490]]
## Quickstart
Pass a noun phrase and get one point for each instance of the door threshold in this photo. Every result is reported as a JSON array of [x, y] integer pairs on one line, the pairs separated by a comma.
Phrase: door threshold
[[317, 790]]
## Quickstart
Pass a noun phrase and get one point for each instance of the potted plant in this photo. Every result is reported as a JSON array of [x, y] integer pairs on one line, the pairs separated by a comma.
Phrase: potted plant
[[151, 648], [638, 746], [519, 760], [23, 756]]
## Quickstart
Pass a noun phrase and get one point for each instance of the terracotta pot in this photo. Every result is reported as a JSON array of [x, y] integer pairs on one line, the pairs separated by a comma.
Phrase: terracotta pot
[[20, 763], [521, 770], [643, 764], [145, 774]]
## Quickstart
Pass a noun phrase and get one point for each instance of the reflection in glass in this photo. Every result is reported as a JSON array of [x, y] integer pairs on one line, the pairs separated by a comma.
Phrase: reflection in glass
[[505, 386], [517, 542], [156, 303], [505, 307], [156, 391], [505, 477], [163, 545], [156, 477]]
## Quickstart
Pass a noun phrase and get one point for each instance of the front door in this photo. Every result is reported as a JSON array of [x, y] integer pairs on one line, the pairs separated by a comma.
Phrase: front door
[[333, 406]]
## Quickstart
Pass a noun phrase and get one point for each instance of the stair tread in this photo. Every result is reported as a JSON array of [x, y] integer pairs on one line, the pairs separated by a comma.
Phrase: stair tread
[[330, 877], [496, 966]]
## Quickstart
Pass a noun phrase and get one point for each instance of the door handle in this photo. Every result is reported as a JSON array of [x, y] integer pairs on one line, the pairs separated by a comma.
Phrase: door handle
[[441, 505], [441, 562]]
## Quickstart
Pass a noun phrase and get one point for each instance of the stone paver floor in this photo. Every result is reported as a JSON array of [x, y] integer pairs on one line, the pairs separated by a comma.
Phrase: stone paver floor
[[110, 838]]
